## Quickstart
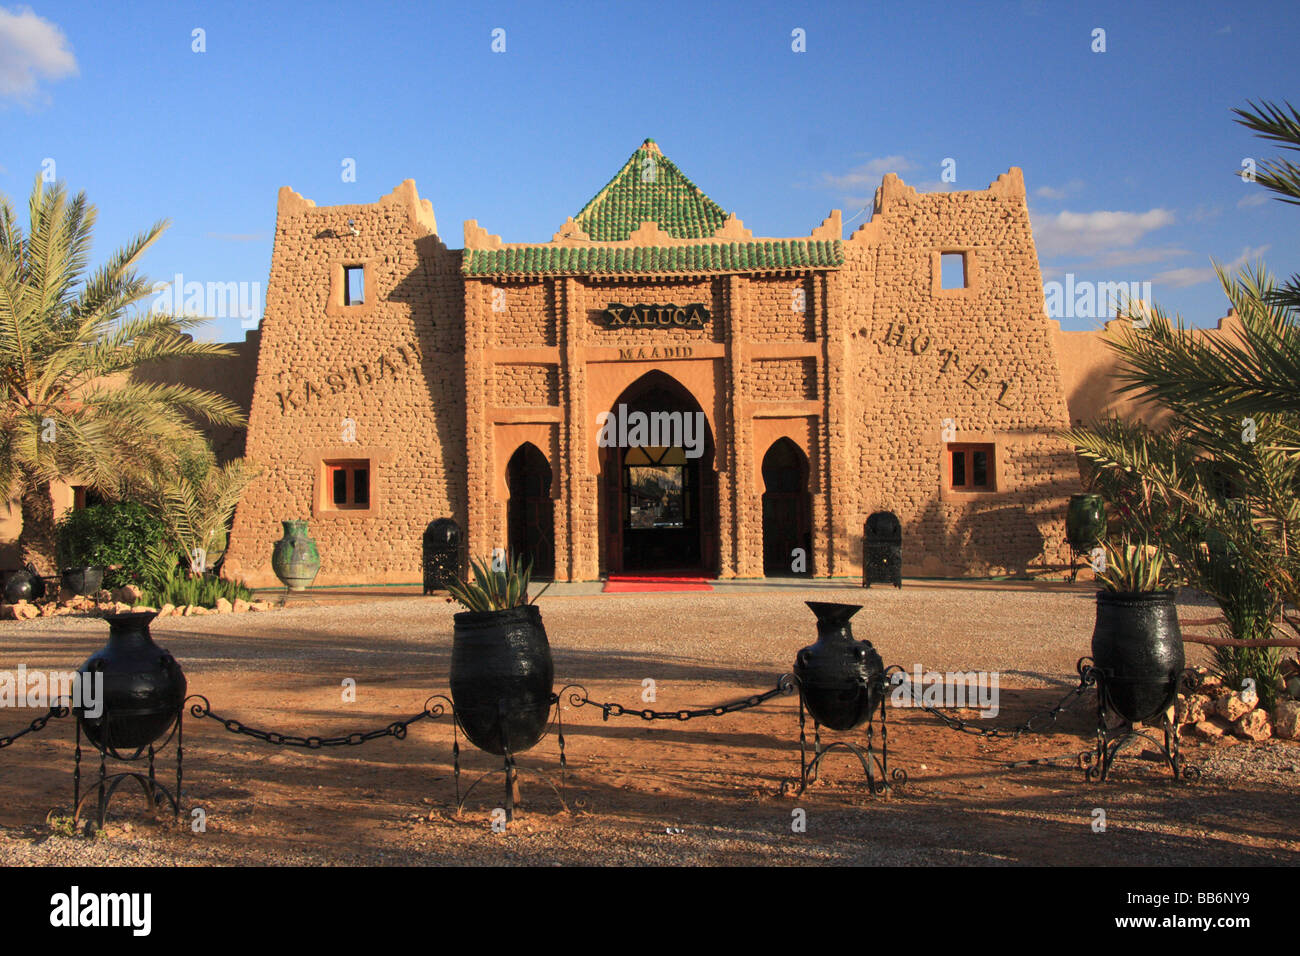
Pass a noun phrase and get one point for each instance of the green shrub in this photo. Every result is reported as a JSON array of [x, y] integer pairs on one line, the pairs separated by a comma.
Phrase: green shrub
[[180, 589], [111, 534]]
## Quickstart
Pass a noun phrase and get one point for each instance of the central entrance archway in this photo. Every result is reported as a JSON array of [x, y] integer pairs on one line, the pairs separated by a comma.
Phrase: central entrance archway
[[659, 488]]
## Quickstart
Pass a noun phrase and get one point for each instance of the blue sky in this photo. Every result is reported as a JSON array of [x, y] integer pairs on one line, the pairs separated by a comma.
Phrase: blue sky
[[1129, 154]]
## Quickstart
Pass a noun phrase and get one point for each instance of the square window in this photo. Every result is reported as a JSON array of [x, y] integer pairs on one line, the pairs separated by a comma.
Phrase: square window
[[972, 468], [354, 285], [952, 270], [348, 485]]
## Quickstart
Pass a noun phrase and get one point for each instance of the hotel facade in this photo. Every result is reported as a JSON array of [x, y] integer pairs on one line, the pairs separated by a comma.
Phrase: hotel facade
[[909, 367]]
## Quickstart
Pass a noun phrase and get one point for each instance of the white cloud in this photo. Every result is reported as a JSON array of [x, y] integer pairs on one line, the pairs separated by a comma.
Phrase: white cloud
[[1181, 278], [867, 174], [1051, 192], [1257, 198], [1088, 233], [1135, 257], [31, 48]]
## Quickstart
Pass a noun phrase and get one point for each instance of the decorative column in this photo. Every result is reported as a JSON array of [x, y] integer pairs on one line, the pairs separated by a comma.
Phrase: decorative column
[[479, 490], [832, 437]]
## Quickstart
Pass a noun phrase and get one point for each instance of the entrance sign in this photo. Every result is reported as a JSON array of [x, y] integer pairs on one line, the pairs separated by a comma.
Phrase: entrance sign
[[693, 316]]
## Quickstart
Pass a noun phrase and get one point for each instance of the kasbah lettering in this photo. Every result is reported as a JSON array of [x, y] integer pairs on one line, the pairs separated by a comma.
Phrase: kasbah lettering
[[354, 376]]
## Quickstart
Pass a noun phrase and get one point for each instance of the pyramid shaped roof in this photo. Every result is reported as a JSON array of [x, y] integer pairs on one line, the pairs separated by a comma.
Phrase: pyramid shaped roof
[[650, 188]]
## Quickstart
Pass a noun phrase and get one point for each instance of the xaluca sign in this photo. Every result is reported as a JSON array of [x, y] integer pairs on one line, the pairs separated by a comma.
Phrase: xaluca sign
[[693, 316]]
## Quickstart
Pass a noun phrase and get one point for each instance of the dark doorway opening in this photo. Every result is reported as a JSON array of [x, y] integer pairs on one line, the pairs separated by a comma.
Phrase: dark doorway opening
[[530, 513], [660, 502], [787, 511]]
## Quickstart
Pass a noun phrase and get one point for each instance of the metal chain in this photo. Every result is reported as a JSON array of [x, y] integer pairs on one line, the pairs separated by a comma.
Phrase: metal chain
[[396, 729], [35, 726], [1087, 678], [784, 685]]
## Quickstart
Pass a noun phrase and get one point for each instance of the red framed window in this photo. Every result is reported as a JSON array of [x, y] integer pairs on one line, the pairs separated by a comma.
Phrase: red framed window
[[347, 485], [971, 468]]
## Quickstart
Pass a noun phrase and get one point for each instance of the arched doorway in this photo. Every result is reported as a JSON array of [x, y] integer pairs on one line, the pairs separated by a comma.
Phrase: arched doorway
[[530, 522], [659, 499], [787, 510]]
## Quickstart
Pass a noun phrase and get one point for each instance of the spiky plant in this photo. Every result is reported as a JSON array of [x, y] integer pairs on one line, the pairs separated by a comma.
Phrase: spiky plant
[[1133, 568], [496, 590], [67, 345]]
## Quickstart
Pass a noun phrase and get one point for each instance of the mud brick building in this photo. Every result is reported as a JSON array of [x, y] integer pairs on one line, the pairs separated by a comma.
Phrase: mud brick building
[[909, 367]]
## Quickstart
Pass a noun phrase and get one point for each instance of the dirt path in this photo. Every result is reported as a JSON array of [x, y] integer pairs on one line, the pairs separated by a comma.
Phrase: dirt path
[[700, 792]]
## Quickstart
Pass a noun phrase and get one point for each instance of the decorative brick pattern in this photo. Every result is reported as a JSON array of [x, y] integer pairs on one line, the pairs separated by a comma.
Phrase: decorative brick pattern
[[526, 385], [783, 380]]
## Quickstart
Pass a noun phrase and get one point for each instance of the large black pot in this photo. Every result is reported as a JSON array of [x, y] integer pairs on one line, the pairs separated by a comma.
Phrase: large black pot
[[841, 679], [1138, 648], [83, 581], [1085, 522], [502, 677], [143, 686], [18, 587]]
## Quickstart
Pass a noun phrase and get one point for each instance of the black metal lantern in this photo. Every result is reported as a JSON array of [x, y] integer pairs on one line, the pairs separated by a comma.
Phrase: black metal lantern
[[135, 690], [882, 550], [842, 685], [442, 554]]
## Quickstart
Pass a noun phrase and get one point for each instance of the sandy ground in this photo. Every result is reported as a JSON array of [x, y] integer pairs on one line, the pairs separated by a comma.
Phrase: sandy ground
[[702, 792]]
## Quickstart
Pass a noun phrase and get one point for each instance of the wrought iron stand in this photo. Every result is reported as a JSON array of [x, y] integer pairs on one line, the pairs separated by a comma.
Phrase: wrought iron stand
[[1111, 740], [510, 767], [154, 791], [871, 759]]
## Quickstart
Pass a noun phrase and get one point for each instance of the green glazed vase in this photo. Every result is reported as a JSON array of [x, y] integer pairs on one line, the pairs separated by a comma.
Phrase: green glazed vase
[[1085, 522], [295, 559]]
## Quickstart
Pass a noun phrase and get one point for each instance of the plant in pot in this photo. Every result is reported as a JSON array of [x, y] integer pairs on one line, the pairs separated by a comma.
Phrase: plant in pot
[[1137, 647], [501, 670]]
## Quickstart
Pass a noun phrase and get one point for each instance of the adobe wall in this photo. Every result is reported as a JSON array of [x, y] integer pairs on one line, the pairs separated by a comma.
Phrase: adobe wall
[[392, 365], [1089, 369], [981, 359]]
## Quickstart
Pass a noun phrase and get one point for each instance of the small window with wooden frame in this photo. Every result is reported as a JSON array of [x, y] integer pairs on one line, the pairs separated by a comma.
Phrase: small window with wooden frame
[[347, 485], [972, 467]]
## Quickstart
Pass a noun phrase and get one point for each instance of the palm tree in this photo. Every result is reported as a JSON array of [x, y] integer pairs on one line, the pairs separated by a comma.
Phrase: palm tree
[[67, 346]]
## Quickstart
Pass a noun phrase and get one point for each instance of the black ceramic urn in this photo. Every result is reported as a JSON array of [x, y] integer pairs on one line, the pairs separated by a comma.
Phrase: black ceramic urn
[[502, 678], [143, 687], [1138, 647], [841, 679]]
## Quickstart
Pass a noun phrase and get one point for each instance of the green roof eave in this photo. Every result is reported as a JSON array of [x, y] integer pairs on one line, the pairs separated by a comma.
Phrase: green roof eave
[[797, 254]]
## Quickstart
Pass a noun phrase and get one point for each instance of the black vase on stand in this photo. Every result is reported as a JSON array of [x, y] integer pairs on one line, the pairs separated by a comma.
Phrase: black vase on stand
[[129, 705], [841, 684]]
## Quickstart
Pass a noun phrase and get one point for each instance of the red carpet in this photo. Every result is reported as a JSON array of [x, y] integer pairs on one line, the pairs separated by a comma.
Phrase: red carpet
[[628, 583]]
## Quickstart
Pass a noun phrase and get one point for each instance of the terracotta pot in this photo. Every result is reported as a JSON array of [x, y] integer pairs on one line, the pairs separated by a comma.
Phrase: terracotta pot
[[502, 678]]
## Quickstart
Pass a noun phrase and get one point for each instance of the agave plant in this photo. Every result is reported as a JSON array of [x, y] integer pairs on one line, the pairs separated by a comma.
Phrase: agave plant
[[1133, 568], [496, 590]]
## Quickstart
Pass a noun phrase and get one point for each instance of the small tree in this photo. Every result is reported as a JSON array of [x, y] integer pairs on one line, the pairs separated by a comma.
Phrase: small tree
[[68, 410]]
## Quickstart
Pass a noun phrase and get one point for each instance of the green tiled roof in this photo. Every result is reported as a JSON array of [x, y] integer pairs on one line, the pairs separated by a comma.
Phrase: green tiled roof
[[650, 187], [705, 257]]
